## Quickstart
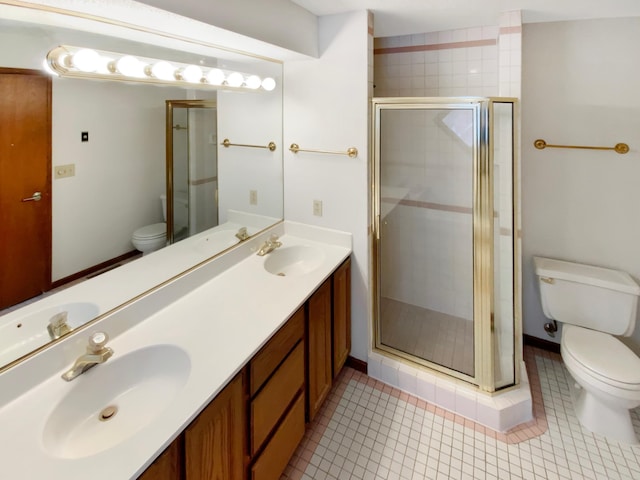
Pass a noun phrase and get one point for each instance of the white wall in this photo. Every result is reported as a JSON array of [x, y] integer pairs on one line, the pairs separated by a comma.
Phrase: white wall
[[251, 119], [119, 172], [580, 87], [279, 22], [325, 107]]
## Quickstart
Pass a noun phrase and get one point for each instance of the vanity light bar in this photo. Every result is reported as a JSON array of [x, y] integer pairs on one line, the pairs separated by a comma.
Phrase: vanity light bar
[[78, 62]]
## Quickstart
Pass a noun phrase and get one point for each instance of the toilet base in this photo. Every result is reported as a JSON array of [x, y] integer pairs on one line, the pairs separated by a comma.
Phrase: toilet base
[[599, 417]]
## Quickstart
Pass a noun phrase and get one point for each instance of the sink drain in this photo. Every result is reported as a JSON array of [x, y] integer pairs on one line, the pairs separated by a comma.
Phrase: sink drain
[[108, 413]]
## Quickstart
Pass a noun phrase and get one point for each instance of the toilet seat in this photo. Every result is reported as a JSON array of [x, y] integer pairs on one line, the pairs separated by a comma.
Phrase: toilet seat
[[602, 357], [151, 232]]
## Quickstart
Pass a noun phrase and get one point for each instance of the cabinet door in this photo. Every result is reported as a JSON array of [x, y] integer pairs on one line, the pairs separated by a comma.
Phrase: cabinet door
[[215, 441], [341, 316], [168, 466], [319, 344]]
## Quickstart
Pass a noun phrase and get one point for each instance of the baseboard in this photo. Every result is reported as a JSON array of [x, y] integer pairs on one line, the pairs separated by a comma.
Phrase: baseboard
[[541, 343], [359, 365], [96, 269]]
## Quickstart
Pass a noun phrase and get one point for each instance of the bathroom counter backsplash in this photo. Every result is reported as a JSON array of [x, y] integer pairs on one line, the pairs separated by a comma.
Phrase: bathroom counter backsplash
[[206, 326]]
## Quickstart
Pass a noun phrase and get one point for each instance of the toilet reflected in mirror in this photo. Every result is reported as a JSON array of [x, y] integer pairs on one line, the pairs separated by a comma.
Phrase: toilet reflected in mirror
[[153, 237]]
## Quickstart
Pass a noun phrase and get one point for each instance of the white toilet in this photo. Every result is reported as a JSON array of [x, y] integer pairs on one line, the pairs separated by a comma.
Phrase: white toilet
[[152, 237], [594, 304]]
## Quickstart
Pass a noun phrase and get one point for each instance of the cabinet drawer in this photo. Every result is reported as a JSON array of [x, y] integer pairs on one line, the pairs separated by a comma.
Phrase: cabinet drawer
[[269, 357], [272, 401], [275, 457]]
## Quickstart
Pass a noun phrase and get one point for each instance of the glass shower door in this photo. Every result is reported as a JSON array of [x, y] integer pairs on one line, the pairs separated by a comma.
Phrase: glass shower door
[[192, 168], [426, 174]]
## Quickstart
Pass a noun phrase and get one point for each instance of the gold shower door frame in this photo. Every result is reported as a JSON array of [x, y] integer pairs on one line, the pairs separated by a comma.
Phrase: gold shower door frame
[[170, 106], [484, 336]]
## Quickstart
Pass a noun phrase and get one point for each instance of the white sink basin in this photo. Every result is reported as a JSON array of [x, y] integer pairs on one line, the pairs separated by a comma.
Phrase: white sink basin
[[293, 261], [139, 385]]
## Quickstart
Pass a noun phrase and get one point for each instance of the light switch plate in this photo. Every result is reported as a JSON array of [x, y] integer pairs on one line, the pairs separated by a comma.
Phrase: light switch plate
[[317, 208], [63, 171]]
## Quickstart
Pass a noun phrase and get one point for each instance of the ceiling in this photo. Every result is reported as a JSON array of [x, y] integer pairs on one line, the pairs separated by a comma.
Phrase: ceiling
[[402, 17]]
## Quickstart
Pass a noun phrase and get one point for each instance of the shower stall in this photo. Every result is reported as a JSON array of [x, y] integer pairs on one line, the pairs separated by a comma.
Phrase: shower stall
[[192, 167], [446, 245]]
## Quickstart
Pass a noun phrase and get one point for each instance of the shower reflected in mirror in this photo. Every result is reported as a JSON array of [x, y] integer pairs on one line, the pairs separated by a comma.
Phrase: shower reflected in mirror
[[192, 168]]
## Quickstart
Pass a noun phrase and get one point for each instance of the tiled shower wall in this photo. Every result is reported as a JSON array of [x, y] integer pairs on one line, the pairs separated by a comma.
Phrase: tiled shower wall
[[426, 221], [483, 61]]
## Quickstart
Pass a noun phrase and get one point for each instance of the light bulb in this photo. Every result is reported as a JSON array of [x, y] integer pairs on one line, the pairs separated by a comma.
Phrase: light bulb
[[235, 79], [162, 70], [86, 60], [130, 66], [215, 76], [268, 84], [191, 74], [253, 82], [64, 60]]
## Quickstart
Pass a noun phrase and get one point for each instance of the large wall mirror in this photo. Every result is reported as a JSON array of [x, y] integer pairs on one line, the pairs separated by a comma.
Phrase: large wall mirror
[[108, 174]]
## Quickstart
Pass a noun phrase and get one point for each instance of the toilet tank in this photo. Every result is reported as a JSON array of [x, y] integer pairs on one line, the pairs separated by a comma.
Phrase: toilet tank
[[592, 297]]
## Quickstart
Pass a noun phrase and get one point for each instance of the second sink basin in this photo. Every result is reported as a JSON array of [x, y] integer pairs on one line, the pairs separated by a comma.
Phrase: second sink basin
[[294, 260], [114, 400]]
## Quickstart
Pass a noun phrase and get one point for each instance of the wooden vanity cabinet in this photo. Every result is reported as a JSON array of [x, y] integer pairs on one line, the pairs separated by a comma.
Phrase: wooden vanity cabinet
[[341, 304], [252, 428], [168, 466], [276, 410], [214, 443], [328, 335], [319, 370]]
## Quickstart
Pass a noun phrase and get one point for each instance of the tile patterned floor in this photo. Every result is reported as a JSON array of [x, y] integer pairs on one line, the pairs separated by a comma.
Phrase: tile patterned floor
[[440, 338], [369, 431]]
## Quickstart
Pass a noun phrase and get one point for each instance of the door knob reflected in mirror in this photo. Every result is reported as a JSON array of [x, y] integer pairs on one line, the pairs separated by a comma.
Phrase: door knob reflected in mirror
[[37, 196]]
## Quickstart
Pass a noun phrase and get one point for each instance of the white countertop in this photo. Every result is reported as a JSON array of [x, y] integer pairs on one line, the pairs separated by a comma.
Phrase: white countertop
[[220, 323], [104, 292]]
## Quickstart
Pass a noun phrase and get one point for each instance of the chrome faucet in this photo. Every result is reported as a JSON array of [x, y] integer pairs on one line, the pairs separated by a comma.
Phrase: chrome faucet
[[96, 353], [270, 245], [58, 325], [242, 234]]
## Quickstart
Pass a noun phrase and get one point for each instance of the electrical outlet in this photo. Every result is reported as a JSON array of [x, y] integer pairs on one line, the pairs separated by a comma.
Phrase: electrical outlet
[[253, 197], [63, 171], [317, 208]]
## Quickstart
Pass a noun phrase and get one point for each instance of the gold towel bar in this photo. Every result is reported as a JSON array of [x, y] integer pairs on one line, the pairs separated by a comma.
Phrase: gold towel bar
[[619, 148], [227, 143], [351, 152]]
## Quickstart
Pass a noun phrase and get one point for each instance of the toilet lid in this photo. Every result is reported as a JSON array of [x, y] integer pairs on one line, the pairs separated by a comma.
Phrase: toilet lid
[[151, 231], [603, 355]]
